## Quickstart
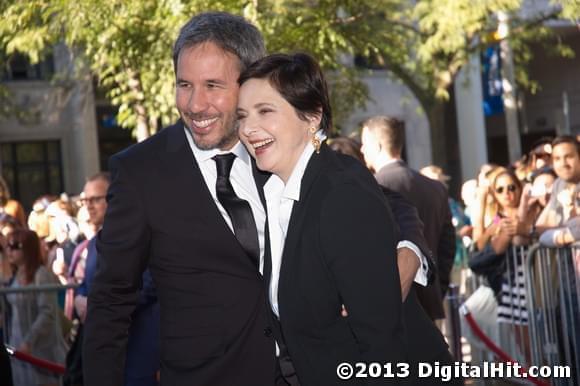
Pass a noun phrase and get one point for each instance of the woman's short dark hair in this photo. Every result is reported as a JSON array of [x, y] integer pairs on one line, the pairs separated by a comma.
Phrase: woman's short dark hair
[[300, 81]]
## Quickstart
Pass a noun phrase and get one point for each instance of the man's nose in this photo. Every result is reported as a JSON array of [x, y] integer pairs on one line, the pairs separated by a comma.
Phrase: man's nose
[[198, 100]]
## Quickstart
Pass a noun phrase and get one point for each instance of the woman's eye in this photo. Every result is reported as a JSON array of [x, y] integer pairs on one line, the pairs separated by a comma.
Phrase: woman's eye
[[264, 111]]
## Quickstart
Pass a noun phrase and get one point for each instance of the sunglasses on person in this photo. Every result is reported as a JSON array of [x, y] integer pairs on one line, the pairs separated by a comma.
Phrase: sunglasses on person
[[14, 246], [510, 188]]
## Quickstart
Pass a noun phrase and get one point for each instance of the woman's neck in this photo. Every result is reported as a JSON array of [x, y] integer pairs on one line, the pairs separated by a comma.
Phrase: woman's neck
[[509, 212], [21, 275]]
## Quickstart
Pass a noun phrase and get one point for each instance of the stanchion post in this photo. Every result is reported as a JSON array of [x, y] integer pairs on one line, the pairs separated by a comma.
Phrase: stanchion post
[[454, 302]]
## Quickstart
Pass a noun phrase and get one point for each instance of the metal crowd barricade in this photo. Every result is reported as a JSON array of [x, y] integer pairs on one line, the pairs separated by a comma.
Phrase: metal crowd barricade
[[553, 286], [539, 309], [57, 368]]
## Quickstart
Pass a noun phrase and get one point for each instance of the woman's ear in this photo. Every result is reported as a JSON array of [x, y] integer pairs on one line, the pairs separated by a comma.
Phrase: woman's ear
[[315, 119]]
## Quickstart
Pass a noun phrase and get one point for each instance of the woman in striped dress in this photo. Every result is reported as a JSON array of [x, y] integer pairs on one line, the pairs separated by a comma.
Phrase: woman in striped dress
[[512, 305]]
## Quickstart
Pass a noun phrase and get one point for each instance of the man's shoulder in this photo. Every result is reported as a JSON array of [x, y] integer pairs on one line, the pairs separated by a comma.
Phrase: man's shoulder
[[392, 172], [144, 151], [560, 184]]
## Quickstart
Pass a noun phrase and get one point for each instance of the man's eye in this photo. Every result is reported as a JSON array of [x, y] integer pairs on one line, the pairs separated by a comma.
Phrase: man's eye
[[264, 111]]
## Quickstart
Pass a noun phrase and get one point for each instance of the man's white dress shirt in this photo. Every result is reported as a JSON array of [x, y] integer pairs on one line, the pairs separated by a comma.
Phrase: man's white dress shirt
[[242, 180]]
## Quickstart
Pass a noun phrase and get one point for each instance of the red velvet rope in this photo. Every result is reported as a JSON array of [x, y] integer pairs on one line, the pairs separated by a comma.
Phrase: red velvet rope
[[50, 366], [502, 355]]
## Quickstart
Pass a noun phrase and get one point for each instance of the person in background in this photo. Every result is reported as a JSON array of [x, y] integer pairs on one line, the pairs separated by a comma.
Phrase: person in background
[[461, 222], [383, 140], [32, 322], [10, 206], [39, 222], [486, 208], [460, 219], [512, 310], [566, 163], [469, 198], [63, 237], [142, 356], [536, 195], [540, 156], [7, 225], [566, 234], [406, 216]]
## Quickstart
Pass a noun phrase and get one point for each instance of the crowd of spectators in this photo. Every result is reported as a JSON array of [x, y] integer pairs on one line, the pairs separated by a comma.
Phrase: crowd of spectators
[[506, 209], [49, 247]]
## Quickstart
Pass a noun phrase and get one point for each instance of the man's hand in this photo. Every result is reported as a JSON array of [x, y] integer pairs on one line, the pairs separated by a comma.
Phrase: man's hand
[[408, 264]]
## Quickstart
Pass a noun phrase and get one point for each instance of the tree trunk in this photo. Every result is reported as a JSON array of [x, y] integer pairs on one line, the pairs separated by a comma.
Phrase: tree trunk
[[142, 130], [436, 116]]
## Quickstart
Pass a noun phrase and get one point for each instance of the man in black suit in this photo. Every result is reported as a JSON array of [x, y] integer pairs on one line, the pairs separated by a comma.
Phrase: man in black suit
[[167, 211], [382, 145]]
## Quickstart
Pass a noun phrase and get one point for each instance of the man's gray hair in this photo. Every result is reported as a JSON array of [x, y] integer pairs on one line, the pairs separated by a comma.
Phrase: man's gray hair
[[229, 32]]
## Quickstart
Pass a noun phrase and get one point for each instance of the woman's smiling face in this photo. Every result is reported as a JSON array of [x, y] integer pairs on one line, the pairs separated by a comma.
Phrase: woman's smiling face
[[271, 129]]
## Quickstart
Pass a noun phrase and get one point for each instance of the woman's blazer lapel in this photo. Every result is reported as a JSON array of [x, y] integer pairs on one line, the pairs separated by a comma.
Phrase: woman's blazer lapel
[[317, 165]]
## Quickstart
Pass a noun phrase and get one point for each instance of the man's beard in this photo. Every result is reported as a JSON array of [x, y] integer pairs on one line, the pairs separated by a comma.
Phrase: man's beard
[[229, 138]]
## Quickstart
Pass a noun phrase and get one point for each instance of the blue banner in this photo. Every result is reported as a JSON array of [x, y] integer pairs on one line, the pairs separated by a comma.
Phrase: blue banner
[[491, 81]]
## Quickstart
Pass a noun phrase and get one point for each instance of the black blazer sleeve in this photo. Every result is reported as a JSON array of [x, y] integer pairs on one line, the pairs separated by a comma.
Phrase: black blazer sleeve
[[410, 225], [358, 238], [122, 247], [446, 250]]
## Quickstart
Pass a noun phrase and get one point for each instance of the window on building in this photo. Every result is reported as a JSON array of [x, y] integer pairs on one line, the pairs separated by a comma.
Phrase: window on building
[[32, 169], [112, 137], [18, 67]]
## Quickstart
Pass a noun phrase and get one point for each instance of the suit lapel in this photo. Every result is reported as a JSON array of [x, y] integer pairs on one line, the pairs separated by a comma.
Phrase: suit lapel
[[187, 183], [187, 179], [315, 166]]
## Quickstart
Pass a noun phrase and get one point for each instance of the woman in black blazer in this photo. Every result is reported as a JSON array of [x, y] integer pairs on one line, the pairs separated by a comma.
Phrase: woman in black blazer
[[331, 237]]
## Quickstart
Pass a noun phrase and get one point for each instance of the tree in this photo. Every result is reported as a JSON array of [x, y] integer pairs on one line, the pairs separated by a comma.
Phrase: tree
[[127, 44], [435, 38]]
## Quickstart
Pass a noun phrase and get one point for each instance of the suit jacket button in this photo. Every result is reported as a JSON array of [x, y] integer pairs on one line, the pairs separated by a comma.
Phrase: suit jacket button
[[268, 332]]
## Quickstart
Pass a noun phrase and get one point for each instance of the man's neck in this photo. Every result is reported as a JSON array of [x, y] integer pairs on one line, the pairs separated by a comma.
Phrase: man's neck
[[384, 159]]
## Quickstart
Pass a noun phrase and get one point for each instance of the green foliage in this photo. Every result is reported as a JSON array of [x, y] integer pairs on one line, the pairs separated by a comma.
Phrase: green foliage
[[127, 45]]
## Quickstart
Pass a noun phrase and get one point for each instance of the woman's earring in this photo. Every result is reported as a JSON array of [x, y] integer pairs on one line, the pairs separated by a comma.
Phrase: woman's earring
[[315, 141]]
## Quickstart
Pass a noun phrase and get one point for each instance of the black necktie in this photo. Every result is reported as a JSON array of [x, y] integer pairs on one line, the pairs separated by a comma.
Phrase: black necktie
[[239, 210]]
